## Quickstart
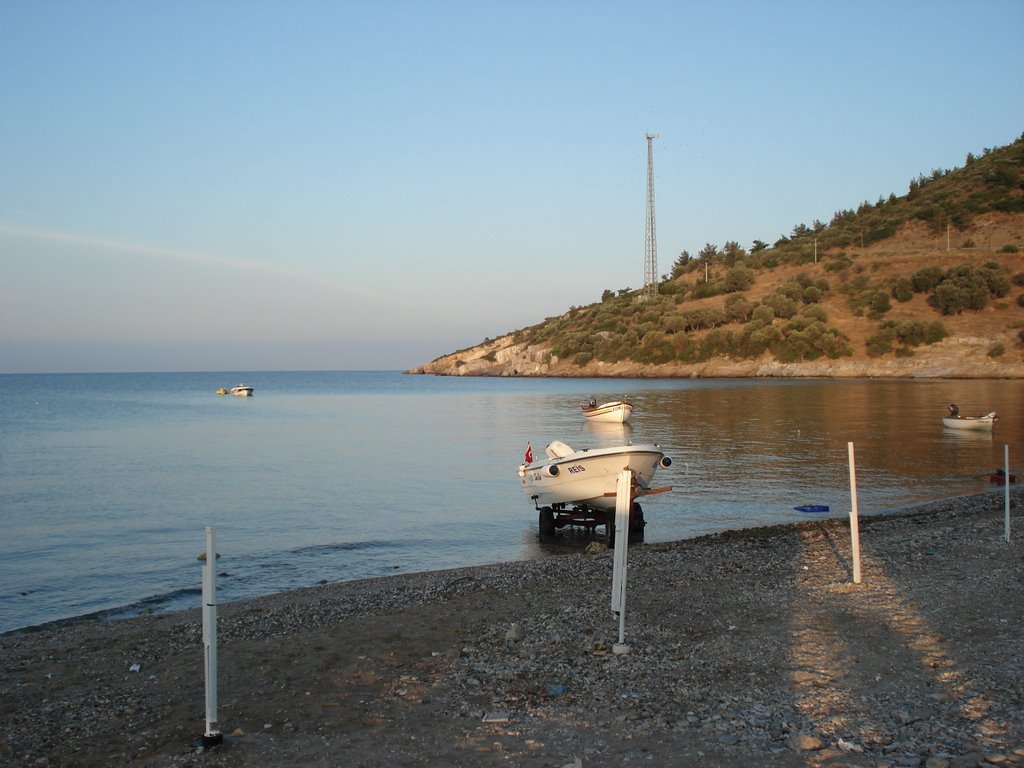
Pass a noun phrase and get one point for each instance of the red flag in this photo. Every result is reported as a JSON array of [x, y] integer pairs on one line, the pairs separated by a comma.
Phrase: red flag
[[529, 453]]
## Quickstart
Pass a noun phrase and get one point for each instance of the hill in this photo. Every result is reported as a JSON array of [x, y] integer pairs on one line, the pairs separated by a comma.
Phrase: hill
[[930, 284]]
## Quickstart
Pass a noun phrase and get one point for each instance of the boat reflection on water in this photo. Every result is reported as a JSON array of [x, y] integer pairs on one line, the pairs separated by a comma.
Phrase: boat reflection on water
[[614, 432], [976, 435]]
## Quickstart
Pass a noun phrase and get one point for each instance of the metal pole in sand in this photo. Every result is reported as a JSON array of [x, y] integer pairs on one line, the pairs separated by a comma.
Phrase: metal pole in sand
[[1006, 491], [623, 502], [854, 522], [212, 736]]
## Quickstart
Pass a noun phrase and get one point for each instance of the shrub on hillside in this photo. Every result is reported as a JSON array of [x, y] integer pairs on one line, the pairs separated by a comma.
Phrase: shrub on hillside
[[879, 304], [783, 306], [838, 263], [934, 332], [717, 342], [656, 349], [762, 314], [925, 280], [996, 278], [962, 288], [738, 279], [737, 308], [881, 342], [705, 317], [906, 333], [754, 339], [706, 290], [874, 302], [674, 322], [815, 312], [903, 289]]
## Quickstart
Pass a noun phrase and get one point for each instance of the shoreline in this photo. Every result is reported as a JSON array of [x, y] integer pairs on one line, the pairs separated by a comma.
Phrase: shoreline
[[127, 612], [746, 646]]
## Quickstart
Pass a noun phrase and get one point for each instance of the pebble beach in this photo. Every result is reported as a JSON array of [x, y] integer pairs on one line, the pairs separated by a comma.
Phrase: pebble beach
[[751, 647]]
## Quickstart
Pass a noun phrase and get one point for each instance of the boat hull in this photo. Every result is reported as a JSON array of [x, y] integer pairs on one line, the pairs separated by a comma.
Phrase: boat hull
[[977, 423], [617, 412], [241, 391], [589, 477]]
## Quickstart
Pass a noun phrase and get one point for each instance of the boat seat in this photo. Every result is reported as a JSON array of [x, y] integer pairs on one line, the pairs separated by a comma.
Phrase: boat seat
[[558, 450]]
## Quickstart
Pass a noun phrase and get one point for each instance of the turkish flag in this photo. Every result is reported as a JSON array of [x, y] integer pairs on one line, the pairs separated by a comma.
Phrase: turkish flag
[[529, 453]]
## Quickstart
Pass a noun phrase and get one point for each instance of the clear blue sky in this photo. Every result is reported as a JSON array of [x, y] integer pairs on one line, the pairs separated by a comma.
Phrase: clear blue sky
[[249, 185]]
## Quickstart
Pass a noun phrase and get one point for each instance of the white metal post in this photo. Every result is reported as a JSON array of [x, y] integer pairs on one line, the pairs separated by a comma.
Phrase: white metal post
[[1006, 491], [623, 503], [854, 520], [212, 735]]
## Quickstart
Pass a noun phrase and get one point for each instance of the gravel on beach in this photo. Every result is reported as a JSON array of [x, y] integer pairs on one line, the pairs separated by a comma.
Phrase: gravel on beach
[[751, 647]]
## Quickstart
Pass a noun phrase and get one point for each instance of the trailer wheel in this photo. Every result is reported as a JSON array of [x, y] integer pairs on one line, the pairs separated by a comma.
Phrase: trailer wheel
[[546, 522]]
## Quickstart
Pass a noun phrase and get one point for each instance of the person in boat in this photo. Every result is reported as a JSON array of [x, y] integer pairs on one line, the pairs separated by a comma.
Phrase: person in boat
[[954, 412], [593, 402]]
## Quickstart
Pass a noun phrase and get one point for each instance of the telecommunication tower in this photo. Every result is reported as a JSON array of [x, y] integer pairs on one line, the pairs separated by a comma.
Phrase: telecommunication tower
[[651, 236]]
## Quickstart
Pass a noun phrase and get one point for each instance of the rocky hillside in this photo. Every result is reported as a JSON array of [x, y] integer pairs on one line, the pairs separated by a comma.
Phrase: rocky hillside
[[926, 285]]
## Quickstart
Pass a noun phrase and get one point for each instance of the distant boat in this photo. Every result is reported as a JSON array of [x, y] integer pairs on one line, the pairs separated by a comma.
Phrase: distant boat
[[241, 390], [978, 423], [612, 412]]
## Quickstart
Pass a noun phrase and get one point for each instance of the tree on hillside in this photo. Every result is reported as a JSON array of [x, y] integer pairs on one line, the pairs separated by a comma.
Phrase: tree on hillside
[[680, 265], [738, 279], [708, 253], [731, 253]]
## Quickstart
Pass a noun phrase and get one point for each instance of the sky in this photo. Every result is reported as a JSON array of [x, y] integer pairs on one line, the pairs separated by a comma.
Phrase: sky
[[244, 185]]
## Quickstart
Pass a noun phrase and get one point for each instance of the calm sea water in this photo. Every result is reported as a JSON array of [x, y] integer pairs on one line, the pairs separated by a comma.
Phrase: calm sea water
[[108, 481]]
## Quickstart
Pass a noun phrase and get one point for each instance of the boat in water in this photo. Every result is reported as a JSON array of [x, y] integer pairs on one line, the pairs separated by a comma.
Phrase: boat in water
[[241, 390], [579, 487], [978, 423], [612, 412]]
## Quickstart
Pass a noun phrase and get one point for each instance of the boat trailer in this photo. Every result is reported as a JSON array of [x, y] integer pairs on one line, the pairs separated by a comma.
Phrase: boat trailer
[[562, 514]]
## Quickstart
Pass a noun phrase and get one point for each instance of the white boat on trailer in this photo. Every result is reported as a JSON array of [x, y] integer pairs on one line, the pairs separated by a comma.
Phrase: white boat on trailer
[[570, 487], [612, 412]]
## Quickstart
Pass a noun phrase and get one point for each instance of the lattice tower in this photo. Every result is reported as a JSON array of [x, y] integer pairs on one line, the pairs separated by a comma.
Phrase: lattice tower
[[651, 235]]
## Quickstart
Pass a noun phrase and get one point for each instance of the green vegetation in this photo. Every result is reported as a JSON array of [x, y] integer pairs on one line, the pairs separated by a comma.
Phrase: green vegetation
[[709, 305]]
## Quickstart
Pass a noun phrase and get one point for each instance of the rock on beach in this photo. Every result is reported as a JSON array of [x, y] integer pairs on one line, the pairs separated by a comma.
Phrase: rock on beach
[[749, 647]]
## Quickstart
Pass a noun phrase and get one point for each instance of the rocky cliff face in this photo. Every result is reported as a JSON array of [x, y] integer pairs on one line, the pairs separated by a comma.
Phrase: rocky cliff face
[[963, 357]]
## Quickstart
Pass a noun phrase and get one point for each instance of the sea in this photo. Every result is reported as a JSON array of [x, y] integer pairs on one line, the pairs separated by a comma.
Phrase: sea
[[108, 482]]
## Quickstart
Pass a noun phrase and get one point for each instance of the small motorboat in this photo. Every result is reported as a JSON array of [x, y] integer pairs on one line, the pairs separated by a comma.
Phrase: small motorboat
[[970, 422], [579, 487], [241, 390], [812, 508], [612, 412]]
